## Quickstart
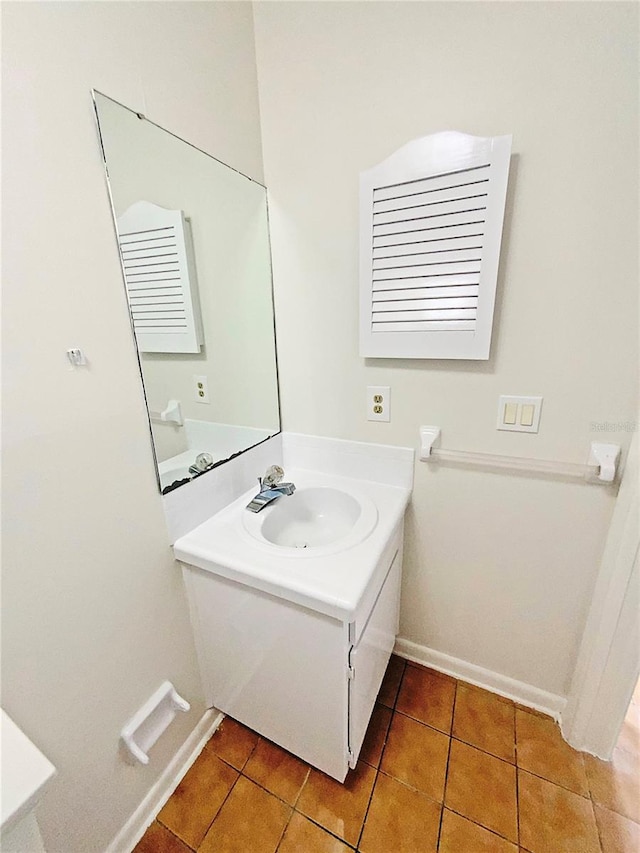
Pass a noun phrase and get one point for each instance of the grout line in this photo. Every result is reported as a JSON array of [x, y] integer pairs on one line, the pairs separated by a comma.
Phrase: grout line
[[557, 784], [366, 811], [324, 829], [306, 779], [284, 829], [486, 828], [168, 828], [221, 807], [410, 787], [460, 740], [399, 688], [446, 769], [379, 765], [239, 772], [595, 820]]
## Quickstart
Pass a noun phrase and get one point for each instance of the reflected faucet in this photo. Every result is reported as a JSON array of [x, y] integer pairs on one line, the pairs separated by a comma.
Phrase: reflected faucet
[[271, 488], [203, 462]]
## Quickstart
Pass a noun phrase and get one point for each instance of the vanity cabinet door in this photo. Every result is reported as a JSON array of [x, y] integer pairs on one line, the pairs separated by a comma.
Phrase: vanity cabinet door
[[275, 666], [368, 659]]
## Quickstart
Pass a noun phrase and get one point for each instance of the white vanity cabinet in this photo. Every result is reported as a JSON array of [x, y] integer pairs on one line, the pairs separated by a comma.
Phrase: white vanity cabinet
[[303, 678]]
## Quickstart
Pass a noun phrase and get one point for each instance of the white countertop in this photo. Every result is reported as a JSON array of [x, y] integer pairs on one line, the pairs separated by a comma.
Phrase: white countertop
[[25, 772], [332, 583]]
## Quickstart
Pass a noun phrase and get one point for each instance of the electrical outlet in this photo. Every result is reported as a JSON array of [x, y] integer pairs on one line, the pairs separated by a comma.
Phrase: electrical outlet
[[201, 389], [378, 403]]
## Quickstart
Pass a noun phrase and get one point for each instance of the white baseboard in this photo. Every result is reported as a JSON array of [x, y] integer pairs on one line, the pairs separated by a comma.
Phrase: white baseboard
[[145, 814], [524, 694]]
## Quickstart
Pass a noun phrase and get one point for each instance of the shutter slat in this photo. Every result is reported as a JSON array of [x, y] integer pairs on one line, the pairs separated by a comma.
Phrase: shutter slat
[[415, 315], [435, 281], [423, 293], [407, 202], [455, 178], [427, 270], [436, 244], [454, 303], [428, 234], [430, 223], [443, 256], [409, 214], [435, 326]]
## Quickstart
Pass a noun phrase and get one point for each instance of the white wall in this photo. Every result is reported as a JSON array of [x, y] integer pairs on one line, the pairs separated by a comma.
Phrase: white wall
[[94, 614], [499, 569]]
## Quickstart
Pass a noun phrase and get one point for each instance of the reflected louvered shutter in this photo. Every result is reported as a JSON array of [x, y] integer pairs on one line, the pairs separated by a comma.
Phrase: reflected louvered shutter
[[160, 277], [431, 225]]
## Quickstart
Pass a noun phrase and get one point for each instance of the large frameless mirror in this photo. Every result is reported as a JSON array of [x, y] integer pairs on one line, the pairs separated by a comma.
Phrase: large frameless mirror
[[193, 238]]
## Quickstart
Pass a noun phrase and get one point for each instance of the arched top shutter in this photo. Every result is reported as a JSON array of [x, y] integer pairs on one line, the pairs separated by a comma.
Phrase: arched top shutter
[[431, 224]]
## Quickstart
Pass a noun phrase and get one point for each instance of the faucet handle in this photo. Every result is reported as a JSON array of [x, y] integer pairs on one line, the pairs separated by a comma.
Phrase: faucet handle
[[273, 475]]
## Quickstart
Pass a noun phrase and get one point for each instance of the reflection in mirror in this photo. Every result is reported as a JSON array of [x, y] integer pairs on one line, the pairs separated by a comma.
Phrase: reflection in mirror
[[194, 243]]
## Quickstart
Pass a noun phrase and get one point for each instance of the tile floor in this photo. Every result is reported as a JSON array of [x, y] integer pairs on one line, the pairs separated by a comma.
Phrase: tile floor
[[445, 767]]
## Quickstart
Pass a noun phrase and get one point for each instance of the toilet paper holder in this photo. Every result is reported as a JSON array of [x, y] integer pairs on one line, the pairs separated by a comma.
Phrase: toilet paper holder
[[149, 722]]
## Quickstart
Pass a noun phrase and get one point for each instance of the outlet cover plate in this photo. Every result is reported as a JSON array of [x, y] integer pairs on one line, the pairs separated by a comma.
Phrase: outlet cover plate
[[201, 389], [378, 403]]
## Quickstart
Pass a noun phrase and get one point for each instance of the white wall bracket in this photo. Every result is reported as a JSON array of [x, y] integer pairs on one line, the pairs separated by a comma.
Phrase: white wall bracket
[[171, 415], [606, 457], [428, 436], [147, 724]]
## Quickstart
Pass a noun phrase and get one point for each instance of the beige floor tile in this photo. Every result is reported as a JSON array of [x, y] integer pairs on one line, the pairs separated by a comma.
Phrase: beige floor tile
[[617, 834], [391, 681], [277, 770], [250, 820], [553, 819], [486, 721], [302, 836], [427, 696], [459, 835], [340, 808], [417, 755], [615, 784], [233, 742], [482, 788], [542, 750], [629, 739], [196, 801], [400, 820], [376, 736], [157, 839]]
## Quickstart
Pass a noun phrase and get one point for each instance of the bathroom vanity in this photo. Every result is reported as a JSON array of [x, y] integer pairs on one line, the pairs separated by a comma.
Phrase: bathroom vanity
[[295, 610]]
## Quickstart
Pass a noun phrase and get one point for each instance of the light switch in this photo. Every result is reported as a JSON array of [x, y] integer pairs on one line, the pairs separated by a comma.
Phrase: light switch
[[527, 414], [519, 414], [510, 413]]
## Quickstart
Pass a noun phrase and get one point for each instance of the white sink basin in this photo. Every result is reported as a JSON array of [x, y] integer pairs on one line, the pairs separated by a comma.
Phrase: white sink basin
[[313, 518]]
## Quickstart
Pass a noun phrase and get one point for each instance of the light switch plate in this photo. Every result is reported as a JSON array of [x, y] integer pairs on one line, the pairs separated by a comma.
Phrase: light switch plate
[[519, 414]]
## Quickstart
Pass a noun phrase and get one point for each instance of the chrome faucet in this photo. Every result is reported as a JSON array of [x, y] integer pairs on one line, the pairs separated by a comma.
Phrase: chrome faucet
[[271, 488]]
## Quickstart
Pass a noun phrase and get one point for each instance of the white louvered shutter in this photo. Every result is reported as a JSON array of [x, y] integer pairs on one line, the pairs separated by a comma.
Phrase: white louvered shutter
[[431, 223], [159, 269]]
